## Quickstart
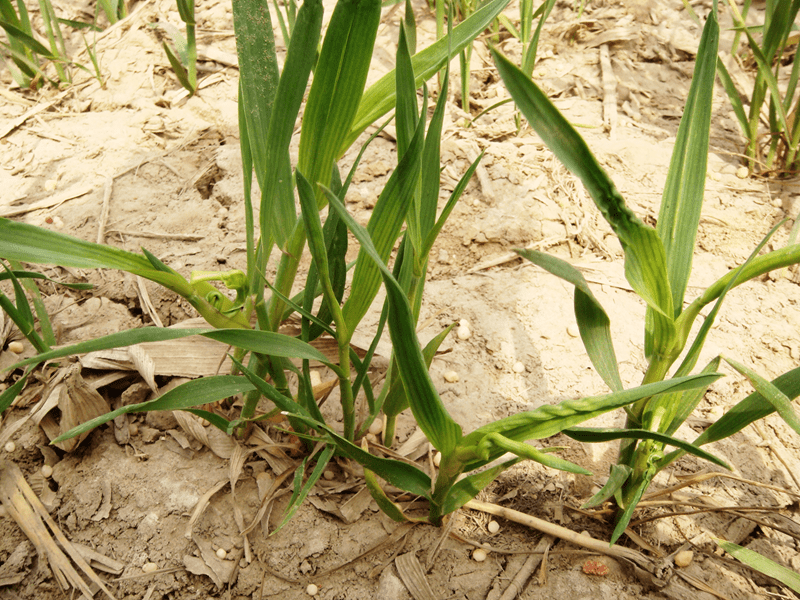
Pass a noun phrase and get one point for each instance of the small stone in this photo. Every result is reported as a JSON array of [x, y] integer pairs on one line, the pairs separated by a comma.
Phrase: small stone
[[133, 428], [742, 172], [371, 438], [463, 332], [493, 527], [149, 567], [479, 555], [376, 427], [777, 203], [443, 257], [519, 367], [573, 331], [16, 347], [481, 238], [328, 475], [451, 377], [684, 558], [58, 222], [312, 590], [10, 447], [221, 553], [47, 471]]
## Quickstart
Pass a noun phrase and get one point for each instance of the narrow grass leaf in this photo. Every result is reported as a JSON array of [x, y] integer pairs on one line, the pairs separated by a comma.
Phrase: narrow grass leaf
[[470, 486], [277, 205], [217, 421], [393, 510], [547, 421], [339, 80], [27, 243], [177, 67], [734, 278], [450, 205], [265, 342], [770, 392], [617, 478], [762, 564], [14, 32], [397, 399], [682, 200], [268, 343], [595, 435], [426, 405], [406, 113], [383, 229], [767, 76], [645, 261], [259, 76], [381, 96], [403, 475], [593, 322], [689, 400], [284, 403], [316, 239], [301, 490], [8, 396], [34, 275], [430, 174], [188, 395], [733, 96], [752, 408], [624, 518]]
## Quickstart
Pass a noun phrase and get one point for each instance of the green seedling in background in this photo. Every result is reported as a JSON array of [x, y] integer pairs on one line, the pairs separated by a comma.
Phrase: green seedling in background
[[774, 151], [183, 55], [657, 266]]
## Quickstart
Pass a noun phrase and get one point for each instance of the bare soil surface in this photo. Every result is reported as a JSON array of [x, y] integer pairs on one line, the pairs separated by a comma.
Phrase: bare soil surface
[[135, 163]]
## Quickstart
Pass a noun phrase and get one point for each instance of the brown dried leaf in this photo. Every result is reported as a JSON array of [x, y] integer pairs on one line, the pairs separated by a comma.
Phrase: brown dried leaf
[[78, 403]]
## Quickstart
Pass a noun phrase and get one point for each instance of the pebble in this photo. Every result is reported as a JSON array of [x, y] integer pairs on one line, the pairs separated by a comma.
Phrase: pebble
[[519, 367], [479, 555], [47, 471], [376, 427], [328, 475], [742, 172], [777, 203], [16, 347], [221, 553], [493, 527], [463, 332], [684, 558], [573, 331], [149, 567], [451, 377], [133, 429], [10, 447], [312, 590]]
